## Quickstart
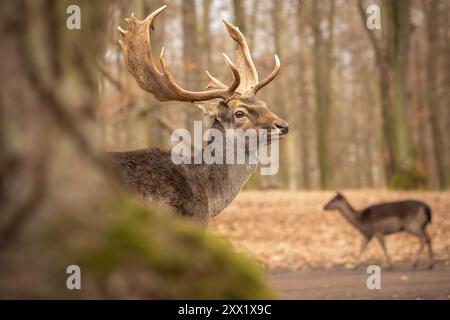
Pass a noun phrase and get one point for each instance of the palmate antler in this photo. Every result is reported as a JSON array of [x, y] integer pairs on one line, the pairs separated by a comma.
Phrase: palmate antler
[[250, 83], [136, 47]]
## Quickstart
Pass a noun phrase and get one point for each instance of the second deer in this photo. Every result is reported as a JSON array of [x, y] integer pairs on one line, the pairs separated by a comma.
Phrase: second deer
[[386, 218]]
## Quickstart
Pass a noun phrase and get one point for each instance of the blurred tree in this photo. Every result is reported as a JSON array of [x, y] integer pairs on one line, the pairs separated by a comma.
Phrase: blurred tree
[[433, 15], [251, 30], [445, 82], [207, 35], [304, 139], [323, 65], [191, 51], [384, 91], [239, 15], [55, 86], [392, 51], [288, 150], [61, 203], [399, 33]]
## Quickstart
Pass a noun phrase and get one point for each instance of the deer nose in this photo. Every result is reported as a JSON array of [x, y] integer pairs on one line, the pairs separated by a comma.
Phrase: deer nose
[[283, 126]]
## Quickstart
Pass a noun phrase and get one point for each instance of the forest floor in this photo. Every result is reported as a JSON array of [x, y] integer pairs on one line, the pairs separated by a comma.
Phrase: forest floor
[[311, 253]]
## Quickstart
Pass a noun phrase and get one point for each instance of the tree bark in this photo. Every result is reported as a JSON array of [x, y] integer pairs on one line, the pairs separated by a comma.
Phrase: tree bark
[[399, 29], [207, 35], [304, 144], [392, 55], [432, 17], [288, 150], [191, 53], [323, 63], [239, 15]]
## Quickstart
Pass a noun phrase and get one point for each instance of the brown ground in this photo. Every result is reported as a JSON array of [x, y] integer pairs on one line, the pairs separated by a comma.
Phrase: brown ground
[[310, 253], [398, 283]]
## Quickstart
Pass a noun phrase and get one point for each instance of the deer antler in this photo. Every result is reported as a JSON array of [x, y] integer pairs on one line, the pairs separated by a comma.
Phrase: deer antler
[[244, 62], [136, 47], [250, 83], [269, 78]]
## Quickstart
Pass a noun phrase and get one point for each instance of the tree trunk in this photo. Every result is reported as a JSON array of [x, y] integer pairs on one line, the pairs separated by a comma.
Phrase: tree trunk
[[432, 16], [399, 26], [191, 54], [384, 92], [288, 150], [392, 57], [207, 35], [48, 97], [445, 27], [61, 203], [302, 120], [323, 56], [239, 15], [251, 30]]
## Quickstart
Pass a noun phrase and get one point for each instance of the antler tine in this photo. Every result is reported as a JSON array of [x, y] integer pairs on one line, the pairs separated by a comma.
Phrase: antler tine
[[214, 82], [183, 92], [269, 78], [244, 62], [136, 47], [236, 74]]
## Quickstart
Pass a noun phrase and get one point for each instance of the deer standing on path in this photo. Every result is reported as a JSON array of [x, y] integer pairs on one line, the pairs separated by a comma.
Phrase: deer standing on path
[[385, 218], [199, 191]]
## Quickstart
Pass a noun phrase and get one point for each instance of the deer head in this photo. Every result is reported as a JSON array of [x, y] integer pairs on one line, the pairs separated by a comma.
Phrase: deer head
[[336, 203], [238, 106]]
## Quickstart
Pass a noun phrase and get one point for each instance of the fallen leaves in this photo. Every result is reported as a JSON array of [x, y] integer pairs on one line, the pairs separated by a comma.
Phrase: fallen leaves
[[289, 230]]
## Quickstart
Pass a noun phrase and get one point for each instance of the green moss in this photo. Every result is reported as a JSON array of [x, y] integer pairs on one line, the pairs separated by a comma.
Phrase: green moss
[[183, 260]]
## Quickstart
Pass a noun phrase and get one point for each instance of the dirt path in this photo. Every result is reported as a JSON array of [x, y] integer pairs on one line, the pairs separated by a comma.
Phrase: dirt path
[[398, 283]]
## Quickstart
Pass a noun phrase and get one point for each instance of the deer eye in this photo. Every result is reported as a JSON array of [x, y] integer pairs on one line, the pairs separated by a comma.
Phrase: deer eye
[[239, 114]]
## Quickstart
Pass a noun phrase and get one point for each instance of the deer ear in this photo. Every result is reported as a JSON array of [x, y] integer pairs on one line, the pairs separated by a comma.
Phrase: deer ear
[[209, 109]]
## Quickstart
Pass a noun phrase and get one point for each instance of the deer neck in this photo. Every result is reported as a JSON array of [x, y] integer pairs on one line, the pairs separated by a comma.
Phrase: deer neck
[[222, 182], [350, 214]]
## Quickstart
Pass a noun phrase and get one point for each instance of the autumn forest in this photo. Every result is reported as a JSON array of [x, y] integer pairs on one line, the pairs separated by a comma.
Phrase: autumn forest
[[367, 108]]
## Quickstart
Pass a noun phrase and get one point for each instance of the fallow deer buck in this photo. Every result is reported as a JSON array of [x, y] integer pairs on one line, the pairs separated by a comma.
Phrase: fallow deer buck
[[386, 218], [199, 191]]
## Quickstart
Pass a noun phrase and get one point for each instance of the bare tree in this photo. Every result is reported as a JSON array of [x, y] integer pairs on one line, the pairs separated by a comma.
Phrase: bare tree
[[304, 139], [392, 54], [432, 17], [239, 15], [323, 64]]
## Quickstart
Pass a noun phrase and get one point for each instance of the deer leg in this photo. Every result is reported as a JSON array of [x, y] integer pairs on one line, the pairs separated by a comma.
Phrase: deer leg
[[380, 239], [419, 252], [424, 239], [430, 250], [364, 243]]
